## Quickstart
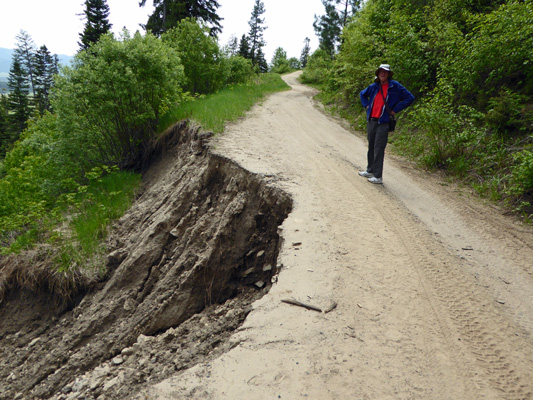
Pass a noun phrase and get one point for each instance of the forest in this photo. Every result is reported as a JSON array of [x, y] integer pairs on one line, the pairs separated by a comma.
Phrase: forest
[[74, 141]]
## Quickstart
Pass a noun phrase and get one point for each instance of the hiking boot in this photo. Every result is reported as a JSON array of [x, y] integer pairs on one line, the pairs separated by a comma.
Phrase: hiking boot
[[376, 181], [366, 174]]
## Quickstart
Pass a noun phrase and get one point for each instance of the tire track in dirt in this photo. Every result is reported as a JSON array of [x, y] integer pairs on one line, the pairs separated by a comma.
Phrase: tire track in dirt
[[459, 306]]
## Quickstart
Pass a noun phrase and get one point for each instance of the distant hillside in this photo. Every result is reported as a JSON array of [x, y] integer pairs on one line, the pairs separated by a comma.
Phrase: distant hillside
[[5, 60], [7, 54]]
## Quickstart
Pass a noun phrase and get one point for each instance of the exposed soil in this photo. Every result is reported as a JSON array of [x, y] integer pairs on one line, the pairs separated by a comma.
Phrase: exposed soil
[[429, 291], [186, 261]]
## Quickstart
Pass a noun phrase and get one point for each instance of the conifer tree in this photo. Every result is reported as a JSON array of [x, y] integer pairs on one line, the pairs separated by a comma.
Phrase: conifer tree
[[46, 66], [25, 53], [168, 13], [18, 104], [4, 138], [244, 47], [261, 61], [329, 27], [255, 36], [306, 51], [97, 22], [233, 46]]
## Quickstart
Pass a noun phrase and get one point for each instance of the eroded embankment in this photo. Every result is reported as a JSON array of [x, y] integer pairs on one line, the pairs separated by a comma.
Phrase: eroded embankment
[[203, 231]]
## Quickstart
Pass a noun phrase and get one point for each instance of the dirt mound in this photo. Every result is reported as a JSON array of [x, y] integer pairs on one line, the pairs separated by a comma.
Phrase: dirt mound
[[197, 247]]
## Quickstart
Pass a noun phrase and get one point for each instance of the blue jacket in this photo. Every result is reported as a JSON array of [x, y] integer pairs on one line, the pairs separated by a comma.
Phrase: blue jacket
[[398, 98]]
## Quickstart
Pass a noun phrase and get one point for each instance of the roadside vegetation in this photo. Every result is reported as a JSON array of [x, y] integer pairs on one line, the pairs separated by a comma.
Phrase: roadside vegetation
[[468, 64], [76, 168]]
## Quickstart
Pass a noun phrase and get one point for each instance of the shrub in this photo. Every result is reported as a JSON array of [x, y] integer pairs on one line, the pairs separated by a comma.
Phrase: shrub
[[109, 102], [507, 113], [318, 68], [239, 69], [280, 63], [521, 183], [200, 55]]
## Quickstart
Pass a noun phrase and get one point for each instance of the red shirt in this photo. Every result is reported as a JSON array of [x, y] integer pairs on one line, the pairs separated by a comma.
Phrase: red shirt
[[377, 106]]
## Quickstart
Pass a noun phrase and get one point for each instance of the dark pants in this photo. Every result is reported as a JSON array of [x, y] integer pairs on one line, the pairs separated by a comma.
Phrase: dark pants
[[377, 135]]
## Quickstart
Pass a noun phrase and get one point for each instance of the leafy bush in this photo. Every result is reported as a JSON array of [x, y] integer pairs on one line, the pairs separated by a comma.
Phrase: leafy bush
[[200, 55], [446, 137], [109, 102], [318, 68], [240, 70], [522, 175], [280, 63], [496, 52], [507, 113]]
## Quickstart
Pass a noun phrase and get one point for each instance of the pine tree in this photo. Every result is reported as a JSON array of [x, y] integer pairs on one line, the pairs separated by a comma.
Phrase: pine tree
[[329, 27], [233, 46], [25, 53], [46, 66], [306, 51], [255, 36], [244, 47], [168, 13], [4, 138], [97, 22], [18, 104], [261, 61]]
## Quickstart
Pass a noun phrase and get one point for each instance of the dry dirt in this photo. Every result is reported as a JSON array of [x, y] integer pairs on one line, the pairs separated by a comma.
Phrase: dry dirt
[[429, 292], [433, 288]]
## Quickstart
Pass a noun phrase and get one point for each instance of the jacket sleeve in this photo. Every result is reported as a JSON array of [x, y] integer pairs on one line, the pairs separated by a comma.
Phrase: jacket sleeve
[[365, 97], [406, 98]]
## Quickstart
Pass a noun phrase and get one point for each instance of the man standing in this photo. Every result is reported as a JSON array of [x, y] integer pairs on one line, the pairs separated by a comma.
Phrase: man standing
[[382, 100]]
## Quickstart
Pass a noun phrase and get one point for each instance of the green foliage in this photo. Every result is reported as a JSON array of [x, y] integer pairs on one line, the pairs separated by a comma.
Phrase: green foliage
[[96, 22], [36, 173], [328, 27], [107, 111], [168, 13], [318, 68], [200, 55], [18, 103], [448, 137], [508, 114], [46, 67], [255, 38], [240, 70], [496, 53], [280, 63], [522, 176], [108, 194], [109, 102], [306, 52], [469, 66], [213, 112]]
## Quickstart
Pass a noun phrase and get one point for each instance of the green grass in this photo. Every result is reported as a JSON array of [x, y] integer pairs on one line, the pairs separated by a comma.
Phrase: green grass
[[105, 200], [214, 111]]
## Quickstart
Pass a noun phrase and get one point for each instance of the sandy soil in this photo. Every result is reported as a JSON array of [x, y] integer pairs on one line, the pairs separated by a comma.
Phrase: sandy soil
[[433, 289]]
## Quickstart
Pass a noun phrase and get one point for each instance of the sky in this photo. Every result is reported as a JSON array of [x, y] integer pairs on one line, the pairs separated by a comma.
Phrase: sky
[[57, 23]]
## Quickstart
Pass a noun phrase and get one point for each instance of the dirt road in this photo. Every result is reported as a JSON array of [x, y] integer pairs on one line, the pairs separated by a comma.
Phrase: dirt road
[[433, 290]]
